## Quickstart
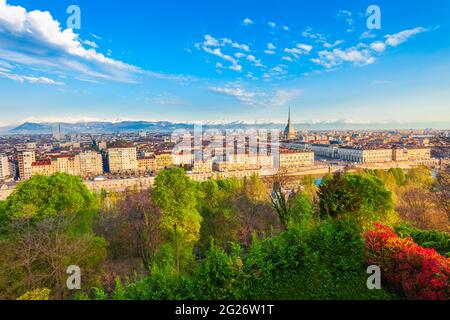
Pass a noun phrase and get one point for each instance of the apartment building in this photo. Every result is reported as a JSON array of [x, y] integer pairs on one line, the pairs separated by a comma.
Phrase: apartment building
[[89, 164], [4, 167], [86, 164], [163, 160], [26, 158], [382, 154], [377, 155], [183, 158], [291, 159], [365, 155], [202, 166], [419, 154], [146, 164], [244, 162], [122, 159]]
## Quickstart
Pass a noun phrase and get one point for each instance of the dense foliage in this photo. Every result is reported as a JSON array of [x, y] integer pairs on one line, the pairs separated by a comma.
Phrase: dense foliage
[[410, 270], [228, 238], [440, 241], [363, 197], [45, 197]]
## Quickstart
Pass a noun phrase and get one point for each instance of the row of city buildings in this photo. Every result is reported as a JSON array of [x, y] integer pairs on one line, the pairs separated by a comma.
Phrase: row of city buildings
[[125, 160], [130, 154], [371, 154]]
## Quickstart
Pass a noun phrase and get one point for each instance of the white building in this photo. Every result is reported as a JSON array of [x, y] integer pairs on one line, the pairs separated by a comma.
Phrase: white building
[[4, 167]]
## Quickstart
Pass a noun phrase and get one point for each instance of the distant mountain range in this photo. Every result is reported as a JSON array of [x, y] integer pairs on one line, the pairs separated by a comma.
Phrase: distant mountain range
[[167, 127]]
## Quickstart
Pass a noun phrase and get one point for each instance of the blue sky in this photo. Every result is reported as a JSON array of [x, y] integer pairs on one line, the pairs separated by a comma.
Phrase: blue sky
[[225, 61]]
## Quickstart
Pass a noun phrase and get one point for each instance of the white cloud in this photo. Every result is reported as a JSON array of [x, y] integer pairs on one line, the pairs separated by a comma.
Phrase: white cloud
[[348, 16], [95, 36], [378, 46], [238, 92], [239, 55], [36, 39], [247, 22], [89, 43], [304, 47], [276, 98], [272, 24], [285, 28], [332, 45], [242, 47], [270, 48], [256, 62], [357, 55], [299, 50], [277, 72], [317, 37], [235, 67], [210, 41], [30, 79], [367, 35], [394, 40], [286, 58], [218, 53]]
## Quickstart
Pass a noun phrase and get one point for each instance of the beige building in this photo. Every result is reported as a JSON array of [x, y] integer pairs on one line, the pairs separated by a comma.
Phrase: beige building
[[89, 164], [351, 154], [44, 167], [377, 155], [85, 164], [122, 159], [382, 155], [146, 164], [419, 154], [4, 167], [291, 159], [202, 166], [163, 160], [365, 155], [26, 158], [244, 162], [182, 159], [325, 150]]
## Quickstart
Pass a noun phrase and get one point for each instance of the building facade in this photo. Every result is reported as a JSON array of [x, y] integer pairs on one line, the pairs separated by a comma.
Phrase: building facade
[[4, 167], [25, 159], [292, 159], [122, 159]]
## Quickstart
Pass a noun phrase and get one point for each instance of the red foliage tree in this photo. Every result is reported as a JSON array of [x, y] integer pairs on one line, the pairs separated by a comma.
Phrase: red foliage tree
[[409, 270]]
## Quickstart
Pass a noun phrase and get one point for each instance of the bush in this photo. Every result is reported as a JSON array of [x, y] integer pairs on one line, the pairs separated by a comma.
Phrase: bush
[[320, 262], [410, 270], [38, 294], [440, 241]]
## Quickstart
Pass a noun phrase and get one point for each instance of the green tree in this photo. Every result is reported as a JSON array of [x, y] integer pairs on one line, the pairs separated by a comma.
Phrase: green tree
[[363, 197], [42, 197], [176, 195]]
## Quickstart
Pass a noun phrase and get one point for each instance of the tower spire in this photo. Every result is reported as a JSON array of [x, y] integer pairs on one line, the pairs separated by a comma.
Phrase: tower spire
[[289, 119], [290, 132]]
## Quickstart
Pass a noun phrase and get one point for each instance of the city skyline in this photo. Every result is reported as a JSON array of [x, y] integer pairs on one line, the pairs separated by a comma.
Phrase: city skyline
[[185, 63]]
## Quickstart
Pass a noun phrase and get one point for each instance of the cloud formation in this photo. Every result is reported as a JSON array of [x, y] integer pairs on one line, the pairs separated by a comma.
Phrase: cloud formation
[[36, 39]]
